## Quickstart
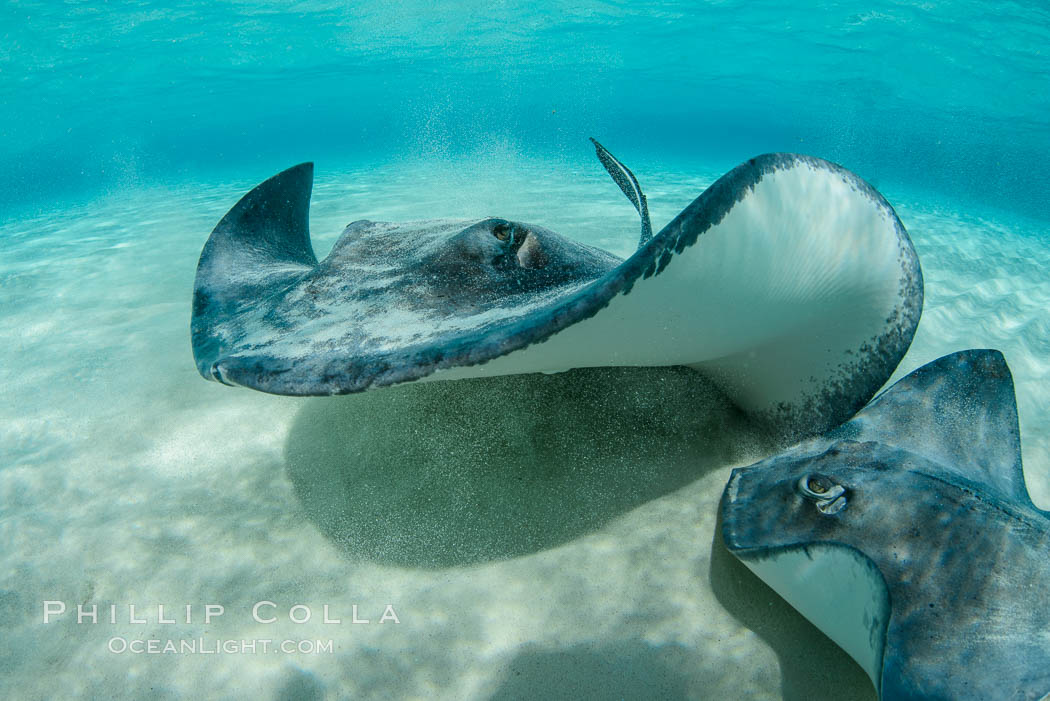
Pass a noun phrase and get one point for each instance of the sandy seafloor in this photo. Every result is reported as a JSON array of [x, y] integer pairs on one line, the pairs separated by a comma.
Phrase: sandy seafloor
[[537, 537]]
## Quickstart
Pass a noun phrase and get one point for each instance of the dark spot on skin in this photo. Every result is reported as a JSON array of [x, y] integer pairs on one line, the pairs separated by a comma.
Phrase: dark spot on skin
[[664, 260]]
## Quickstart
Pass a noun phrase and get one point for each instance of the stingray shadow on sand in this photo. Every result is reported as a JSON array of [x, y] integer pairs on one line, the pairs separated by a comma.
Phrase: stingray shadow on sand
[[450, 473]]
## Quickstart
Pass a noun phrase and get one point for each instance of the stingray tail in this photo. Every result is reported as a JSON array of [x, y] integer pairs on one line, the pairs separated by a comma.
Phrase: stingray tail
[[623, 177]]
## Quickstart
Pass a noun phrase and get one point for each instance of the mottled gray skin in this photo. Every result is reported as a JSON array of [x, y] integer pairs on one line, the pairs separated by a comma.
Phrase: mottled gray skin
[[935, 500], [395, 303], [388, 299]]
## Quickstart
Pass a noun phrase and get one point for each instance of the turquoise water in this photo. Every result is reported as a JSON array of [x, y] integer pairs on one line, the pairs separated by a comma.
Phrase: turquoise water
[[544, 550], [949, 96]]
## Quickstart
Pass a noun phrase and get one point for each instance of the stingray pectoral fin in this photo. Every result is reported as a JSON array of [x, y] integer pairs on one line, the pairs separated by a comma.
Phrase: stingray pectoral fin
[[816, 284], [790, 282], [838, 589], [261, 246], [272, 221], [960, 411]]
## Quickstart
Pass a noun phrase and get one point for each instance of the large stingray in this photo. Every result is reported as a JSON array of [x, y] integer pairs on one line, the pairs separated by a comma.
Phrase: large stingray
[[790, 282], [908, 537]]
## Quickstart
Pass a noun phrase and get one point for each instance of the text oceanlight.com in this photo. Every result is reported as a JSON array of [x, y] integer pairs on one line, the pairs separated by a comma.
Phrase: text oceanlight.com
[[201, 646]]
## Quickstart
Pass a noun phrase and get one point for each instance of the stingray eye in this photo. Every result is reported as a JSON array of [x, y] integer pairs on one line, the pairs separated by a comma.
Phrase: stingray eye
[[501, 231], [814, 486], [829, 497]]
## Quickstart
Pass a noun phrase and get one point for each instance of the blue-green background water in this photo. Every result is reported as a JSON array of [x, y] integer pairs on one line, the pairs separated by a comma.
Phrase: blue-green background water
[[533, 535], [948, 96]]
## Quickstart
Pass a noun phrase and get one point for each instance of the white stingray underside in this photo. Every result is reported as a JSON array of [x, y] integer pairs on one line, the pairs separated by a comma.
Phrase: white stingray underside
[[772, 301], [789, 282], [838, 590]]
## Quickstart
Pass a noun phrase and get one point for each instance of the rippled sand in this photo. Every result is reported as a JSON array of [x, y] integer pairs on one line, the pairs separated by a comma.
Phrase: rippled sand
[[549, 537]]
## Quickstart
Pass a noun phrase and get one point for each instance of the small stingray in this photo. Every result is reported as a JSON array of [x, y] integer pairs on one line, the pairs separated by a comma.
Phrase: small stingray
[[789, 282], [908, 537]]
